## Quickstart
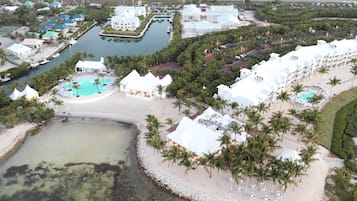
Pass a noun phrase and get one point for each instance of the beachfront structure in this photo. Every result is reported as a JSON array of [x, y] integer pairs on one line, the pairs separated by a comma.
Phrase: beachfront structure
[[20, 51], [125, 23], [52, 22], [56, 4], [28, 92], [50, 35], [16, 94], [198, 21], [266, 79], [91, 66], [11, 9], [131, 10], [202, 134], [33, 43], [289, 155], [43, 9], [144, 86], [195, 137], [63, 16], [191, 13]]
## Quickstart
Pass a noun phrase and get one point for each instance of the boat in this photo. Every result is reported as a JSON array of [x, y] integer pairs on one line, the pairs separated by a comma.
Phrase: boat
[[33, 65], [72, 41], [6, 78], [169, 29], [45, 61], [55, 55]]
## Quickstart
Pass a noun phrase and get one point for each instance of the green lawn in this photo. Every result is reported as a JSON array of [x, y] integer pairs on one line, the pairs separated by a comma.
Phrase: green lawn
[[328, 113]]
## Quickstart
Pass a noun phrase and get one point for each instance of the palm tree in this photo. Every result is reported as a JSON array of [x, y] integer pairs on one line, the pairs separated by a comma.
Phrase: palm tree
[[76, 87], [354, 70], [333, 82], [297, 88], [97, 82], [236, 129], [301, 130], [2, 57], [172, 154], [323, 70], [187, 112], [169, 121], [261, 107], [315, 99], [234, 105], [307, 155], [283, 96], [178, 103], [160, 89], [225, 140], [255, 118]]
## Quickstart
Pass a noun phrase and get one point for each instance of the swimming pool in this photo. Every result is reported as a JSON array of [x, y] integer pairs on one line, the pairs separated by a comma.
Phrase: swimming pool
[[87, 86], [305, 96]]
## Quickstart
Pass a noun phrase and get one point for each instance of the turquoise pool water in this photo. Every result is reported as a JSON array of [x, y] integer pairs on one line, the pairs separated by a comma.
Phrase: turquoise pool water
[[305, 96], [87, 86]]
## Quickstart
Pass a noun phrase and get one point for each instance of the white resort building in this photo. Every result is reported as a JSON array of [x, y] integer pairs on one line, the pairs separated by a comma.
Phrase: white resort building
[[201, 135], [264, 80], [91, 66], [127, 17], [28, 92], [144, 86], [20, 51], [197, 21]]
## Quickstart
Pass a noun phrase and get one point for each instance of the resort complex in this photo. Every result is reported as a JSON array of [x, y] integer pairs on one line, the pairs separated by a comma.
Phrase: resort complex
[[205, 19], [196, 107], [262, 83]]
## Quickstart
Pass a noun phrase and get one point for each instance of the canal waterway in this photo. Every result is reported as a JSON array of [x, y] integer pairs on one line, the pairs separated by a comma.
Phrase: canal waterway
[[82, 159], [155, 39]]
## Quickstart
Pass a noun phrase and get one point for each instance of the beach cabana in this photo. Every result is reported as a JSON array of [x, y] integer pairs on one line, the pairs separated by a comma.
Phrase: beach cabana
[[30, 93], [91, 66], [16, 94], [132, 75], [19, 51], [289, 155], [195, 137]]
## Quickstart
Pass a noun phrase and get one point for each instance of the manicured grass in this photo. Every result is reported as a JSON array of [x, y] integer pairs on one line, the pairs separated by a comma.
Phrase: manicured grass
[[328, 112]]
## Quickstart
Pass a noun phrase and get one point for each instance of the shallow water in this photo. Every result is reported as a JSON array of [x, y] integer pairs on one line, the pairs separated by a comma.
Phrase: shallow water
[[87, 159]]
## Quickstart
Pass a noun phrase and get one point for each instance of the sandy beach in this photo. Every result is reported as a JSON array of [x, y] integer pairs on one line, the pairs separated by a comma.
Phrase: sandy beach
[[196, 184]]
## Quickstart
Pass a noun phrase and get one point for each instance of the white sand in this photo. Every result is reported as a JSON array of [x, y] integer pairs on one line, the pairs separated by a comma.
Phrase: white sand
[[196, 184], [10, 137]]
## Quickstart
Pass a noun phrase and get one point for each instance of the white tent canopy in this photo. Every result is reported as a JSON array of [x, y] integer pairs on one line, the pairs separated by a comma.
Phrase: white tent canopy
[[133, 83], [16, 94], [289, 155], [195, 137], [30, 93]]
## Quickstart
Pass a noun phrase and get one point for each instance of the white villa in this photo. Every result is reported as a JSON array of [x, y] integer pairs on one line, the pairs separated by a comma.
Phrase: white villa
[[289, 155], [20, 51], [127, 17], [197, 21], [202, 134], [144, 86], [33, 43], [91, 66], [264, 80]]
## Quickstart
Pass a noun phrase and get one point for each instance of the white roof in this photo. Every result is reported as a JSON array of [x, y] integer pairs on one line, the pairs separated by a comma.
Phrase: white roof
[[19, 48], [274, 73], [289, 155], [30, 92], [16, 94], [224, 19], [32, 42], [126, 19], [11, 8], [147, 83], [94, 65], [133, 10], [190, 10], [195, 137]]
